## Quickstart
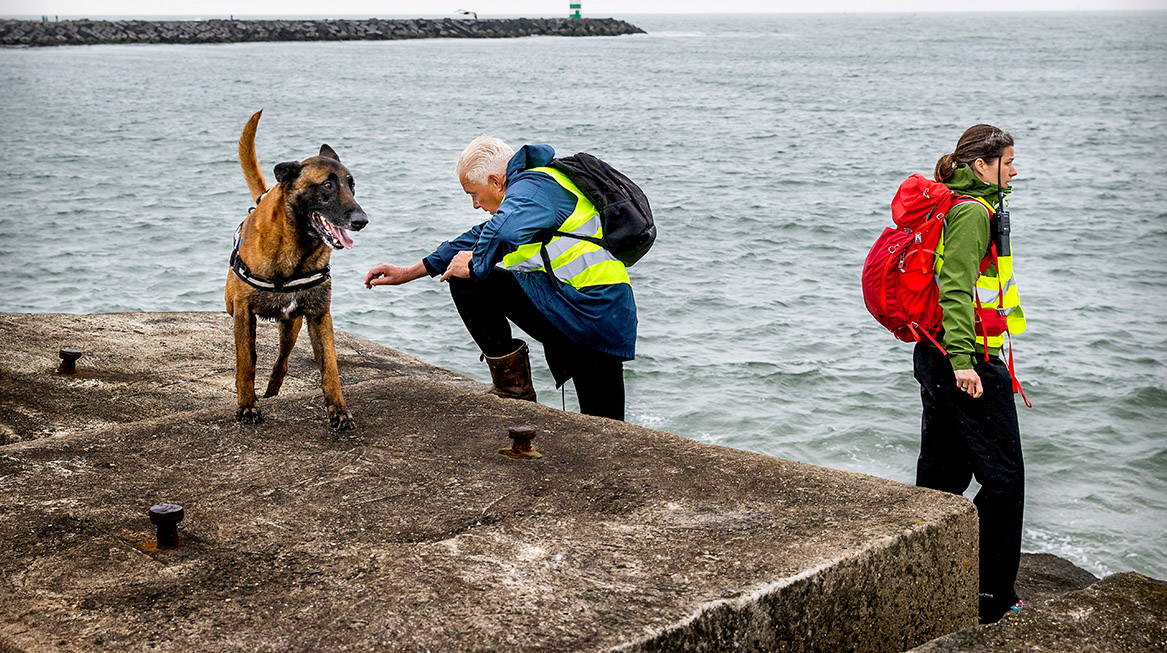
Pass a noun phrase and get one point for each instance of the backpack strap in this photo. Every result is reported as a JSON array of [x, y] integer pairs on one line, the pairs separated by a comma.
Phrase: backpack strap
[[912, 327], [1013, 374], [991, 257]]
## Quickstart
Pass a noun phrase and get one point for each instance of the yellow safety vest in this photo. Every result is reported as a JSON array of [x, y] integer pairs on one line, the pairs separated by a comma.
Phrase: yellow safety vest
[[579, 263], [990, 286]]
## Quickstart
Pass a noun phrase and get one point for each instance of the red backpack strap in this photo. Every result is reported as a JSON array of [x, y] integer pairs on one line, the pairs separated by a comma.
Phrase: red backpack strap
[[912, 327], [1013, 373], [990, 257], [961, 199], [1017, 389]]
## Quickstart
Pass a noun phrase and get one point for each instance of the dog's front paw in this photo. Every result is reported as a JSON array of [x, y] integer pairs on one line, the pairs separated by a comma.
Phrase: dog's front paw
[[248, 415], [340, 419]]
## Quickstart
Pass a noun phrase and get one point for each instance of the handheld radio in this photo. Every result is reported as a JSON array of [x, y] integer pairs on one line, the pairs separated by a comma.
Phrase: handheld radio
[[1002, 227]]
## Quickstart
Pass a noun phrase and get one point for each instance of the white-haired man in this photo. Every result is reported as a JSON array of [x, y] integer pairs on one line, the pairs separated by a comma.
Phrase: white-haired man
[[582, 310]]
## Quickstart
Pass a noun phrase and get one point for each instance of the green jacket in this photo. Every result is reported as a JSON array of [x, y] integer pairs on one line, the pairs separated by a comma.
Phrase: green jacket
[[966, 240]]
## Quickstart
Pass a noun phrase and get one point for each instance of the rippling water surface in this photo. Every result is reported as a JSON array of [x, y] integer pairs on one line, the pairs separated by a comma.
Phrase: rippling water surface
[[770, 147]]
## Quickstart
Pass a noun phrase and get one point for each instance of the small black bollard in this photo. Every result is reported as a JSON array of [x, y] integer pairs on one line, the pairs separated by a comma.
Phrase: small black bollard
[[521, 446], [166, 517], [68, 361]]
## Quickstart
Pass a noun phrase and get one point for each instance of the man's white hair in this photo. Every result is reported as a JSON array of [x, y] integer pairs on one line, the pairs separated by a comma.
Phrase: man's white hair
[[484, 156]]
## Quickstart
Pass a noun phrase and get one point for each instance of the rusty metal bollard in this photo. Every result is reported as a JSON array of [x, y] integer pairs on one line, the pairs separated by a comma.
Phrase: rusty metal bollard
[[68, 361], [166, 517], [521, 447]]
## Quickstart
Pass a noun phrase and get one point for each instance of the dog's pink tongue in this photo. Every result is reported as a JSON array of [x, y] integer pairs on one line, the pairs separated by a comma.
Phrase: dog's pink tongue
[[342, 236]]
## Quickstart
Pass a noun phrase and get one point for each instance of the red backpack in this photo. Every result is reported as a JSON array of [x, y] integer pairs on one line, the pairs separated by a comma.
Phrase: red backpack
[[899, 284]]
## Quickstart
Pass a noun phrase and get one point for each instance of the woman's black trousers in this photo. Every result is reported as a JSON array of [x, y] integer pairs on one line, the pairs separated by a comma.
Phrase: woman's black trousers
[[962, 438]]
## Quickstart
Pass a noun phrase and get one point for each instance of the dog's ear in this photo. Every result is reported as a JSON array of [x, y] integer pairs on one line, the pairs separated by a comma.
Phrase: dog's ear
[[287, 171], [329, 153]]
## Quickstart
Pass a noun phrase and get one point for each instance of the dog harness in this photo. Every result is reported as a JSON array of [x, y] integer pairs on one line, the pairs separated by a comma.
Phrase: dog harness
[[291, 284]]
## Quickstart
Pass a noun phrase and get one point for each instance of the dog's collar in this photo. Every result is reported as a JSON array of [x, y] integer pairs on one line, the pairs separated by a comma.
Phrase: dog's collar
[[291, 284], [257, 201]]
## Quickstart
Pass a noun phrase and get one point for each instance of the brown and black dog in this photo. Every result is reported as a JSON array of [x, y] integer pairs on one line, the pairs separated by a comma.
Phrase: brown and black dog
[[280, 267]]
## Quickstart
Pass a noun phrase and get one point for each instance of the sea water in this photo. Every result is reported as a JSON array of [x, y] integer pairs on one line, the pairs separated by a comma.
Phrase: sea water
[[770, 147]]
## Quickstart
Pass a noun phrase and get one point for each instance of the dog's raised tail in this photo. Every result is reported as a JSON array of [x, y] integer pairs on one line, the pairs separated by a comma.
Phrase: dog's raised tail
[[251, 172]]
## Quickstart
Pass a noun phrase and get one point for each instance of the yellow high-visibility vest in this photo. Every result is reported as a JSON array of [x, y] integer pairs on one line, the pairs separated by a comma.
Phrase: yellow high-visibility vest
[[989, 288], [578, 263]]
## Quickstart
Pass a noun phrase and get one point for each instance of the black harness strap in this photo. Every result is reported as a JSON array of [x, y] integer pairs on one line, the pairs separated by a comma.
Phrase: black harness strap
[[545, 237], [291, 284]]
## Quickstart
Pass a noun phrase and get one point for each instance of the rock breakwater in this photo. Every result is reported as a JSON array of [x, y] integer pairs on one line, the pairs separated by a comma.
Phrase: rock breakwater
[[94, 32]]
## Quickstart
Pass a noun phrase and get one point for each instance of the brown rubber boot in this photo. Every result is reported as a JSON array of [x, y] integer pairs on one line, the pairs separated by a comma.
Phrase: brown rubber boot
[[511, 373]]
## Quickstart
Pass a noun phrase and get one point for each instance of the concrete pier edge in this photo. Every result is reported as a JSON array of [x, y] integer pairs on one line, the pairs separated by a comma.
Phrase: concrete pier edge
[[417, 534], [780, 615]]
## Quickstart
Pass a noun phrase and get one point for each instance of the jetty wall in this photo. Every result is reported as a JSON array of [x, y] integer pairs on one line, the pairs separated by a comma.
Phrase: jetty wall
[[93, 32]]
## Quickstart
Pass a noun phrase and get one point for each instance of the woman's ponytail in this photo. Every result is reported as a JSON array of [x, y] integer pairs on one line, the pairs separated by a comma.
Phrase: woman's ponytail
[[945, 168], [977, 142]]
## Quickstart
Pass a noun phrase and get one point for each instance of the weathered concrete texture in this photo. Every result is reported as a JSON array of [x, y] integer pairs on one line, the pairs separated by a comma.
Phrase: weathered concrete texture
[[1122, 613], [138, 366], [413, 533], [93, 32]]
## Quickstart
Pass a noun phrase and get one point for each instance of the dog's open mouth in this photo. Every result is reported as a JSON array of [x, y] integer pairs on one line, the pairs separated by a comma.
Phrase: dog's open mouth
[[332, 234]]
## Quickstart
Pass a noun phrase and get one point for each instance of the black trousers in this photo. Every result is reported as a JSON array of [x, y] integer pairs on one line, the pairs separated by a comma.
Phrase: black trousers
[[962, 438], [486, 305]]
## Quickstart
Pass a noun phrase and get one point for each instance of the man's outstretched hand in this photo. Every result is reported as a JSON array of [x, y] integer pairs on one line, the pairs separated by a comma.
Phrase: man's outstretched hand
[[391, 275]]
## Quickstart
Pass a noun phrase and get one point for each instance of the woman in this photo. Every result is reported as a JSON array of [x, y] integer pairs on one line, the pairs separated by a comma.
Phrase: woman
[[969, 426]]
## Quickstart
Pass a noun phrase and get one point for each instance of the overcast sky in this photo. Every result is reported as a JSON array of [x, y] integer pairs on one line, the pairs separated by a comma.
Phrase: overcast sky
[[597, 8]]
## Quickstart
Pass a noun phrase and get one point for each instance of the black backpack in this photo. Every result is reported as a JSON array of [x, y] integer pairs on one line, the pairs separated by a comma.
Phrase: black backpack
[[624, 212]]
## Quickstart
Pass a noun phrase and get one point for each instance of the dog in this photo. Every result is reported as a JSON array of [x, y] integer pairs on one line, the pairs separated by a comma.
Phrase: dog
[[279, 268]]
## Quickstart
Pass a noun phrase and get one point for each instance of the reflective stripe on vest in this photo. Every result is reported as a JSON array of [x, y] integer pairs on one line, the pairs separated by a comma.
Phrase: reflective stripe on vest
[[988, 289], [578, 263]]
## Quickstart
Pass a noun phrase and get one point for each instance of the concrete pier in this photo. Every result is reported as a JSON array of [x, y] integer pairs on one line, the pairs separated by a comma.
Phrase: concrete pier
[[95, 32], [413, 533]]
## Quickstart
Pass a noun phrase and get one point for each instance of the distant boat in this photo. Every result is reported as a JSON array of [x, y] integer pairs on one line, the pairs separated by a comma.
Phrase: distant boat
[[465, 14]]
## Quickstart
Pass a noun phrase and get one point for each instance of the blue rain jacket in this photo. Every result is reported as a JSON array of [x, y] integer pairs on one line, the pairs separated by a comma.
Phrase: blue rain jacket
[[601, 318]]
